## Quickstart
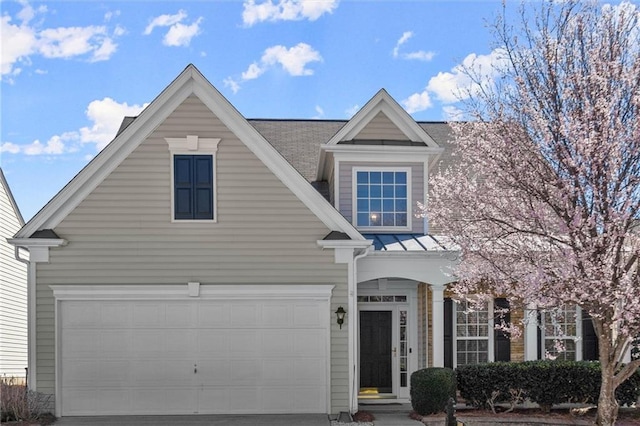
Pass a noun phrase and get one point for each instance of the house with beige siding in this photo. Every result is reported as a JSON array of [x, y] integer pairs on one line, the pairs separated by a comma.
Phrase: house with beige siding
[[202, 261], [13, 290]]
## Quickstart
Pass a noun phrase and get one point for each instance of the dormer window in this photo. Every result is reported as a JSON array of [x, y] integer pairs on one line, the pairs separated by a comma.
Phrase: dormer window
[[382, 198]]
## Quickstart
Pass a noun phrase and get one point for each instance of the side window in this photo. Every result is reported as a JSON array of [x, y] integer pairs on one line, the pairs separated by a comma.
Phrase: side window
[[193, 187], [561, 330], [381, 198], [473, 330]]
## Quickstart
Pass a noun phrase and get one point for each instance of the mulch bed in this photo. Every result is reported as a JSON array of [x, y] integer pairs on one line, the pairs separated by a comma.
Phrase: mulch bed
[[626, 417]]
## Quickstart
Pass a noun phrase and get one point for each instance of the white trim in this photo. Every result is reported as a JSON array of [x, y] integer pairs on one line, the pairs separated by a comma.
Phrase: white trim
[[354, 198], [181, 292], [437, 329], [410, 291]]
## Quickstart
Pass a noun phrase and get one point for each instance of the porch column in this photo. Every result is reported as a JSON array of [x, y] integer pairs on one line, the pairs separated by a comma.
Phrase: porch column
[[530, 333], [437, 325]]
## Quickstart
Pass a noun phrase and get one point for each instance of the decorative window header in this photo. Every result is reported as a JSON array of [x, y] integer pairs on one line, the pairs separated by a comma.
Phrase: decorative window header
[[193, 143]]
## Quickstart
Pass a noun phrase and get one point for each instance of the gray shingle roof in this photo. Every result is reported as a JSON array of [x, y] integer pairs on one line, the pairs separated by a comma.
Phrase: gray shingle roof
[[298, 141]]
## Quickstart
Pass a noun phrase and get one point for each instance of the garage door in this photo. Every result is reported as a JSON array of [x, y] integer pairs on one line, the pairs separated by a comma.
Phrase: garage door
[[246, 355]]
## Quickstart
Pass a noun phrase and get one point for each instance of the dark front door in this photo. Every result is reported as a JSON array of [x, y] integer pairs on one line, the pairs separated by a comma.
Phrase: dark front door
[[375, 351]]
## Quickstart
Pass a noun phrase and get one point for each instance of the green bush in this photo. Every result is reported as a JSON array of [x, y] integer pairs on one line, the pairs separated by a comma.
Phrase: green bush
[[546, 383], [431, 388]]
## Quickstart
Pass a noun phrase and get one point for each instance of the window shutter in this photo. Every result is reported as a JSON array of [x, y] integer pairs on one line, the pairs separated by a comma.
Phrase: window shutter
[[590, 351], [182, 181], [502, 349], [203, 187], [448, 332]]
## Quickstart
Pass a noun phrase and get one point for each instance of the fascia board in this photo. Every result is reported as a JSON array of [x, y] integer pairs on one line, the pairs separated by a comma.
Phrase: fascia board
[[345, 243], [37, 242], [111, 156], [287, 174]]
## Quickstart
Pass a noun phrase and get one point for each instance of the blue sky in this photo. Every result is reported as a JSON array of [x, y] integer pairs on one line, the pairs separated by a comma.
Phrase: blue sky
[[72, 69]]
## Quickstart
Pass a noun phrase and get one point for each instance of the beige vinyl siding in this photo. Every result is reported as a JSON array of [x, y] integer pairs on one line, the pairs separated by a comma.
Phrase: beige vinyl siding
[[13, 294], [381, 128], [417, 188], [122, 234]]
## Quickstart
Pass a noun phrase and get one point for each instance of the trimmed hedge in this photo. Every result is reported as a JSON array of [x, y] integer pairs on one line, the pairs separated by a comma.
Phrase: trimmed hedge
[[546, 383], [431, 389]]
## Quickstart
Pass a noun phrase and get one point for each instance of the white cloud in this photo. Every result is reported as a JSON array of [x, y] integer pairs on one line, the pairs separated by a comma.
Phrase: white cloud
[[232, 84], [165, 21], [294, 61], [106, 116], [451, 113], [420, 55], [179, 33], [319, 112], [352, 110], [20, 41], [450, 87], [417, 102], [457, 85], [286, 10]]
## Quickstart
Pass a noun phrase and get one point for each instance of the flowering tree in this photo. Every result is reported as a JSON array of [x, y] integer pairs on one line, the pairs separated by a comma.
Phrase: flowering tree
[[545, 191]]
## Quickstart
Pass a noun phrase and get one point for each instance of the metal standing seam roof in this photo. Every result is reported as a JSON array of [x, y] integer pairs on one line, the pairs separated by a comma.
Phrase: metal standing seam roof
[[408, 242]]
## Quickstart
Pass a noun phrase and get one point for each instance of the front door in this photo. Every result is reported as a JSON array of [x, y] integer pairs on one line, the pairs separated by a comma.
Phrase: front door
[[375, 351]]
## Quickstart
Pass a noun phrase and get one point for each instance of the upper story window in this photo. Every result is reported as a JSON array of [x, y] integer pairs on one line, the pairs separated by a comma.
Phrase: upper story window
[[193, 191], [382, 198], [193, 187]]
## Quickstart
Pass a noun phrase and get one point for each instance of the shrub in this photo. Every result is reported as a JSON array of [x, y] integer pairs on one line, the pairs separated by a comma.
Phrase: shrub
[[431, 388], [546, 383], [17, 403], [485, 385]]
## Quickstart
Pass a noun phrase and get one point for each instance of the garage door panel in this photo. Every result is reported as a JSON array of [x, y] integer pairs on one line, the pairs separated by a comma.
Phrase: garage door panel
[[213, 314], [195, 356], [115, 315], [309, 343], [244, 343], [213, 342], [277, 343], [114, 344], [245, 315], [214, 371], [276, 315]]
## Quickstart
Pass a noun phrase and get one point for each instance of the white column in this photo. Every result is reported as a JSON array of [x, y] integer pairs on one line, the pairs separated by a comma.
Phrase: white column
[[530, 333], [437, 325]]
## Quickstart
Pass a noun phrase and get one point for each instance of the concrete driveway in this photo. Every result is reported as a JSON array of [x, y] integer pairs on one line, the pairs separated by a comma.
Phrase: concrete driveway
[[200, 420]]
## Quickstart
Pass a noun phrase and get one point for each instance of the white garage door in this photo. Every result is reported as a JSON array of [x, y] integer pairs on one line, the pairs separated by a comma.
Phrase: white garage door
[[193, 356]]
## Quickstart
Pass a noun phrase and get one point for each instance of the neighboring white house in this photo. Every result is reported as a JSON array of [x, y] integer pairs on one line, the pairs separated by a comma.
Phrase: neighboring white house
[[198, 264], [13, 290]]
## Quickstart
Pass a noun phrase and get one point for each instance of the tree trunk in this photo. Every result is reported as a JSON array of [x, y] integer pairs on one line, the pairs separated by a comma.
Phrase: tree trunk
[[607, 403]]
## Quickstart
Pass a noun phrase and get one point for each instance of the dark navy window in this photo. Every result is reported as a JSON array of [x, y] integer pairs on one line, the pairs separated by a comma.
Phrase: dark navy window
[[193, 187]]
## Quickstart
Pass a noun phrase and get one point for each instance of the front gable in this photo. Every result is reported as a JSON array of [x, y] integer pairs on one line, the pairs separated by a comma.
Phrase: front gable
[[189, 83]]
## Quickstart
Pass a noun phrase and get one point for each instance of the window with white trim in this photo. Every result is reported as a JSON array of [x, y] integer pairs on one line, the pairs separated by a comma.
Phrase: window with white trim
[[561, 330], [193, 183], [473, 331], [382, 198]]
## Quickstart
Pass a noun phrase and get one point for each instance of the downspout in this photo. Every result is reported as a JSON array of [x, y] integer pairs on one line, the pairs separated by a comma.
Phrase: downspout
[[31, 304], [353, 332]]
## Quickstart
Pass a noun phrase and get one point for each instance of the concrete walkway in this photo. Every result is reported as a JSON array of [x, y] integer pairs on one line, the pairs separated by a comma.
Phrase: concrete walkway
[[200, 420]]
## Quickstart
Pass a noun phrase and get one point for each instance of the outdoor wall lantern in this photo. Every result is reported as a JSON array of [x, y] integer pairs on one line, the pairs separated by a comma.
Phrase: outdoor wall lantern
[[340, 313]]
